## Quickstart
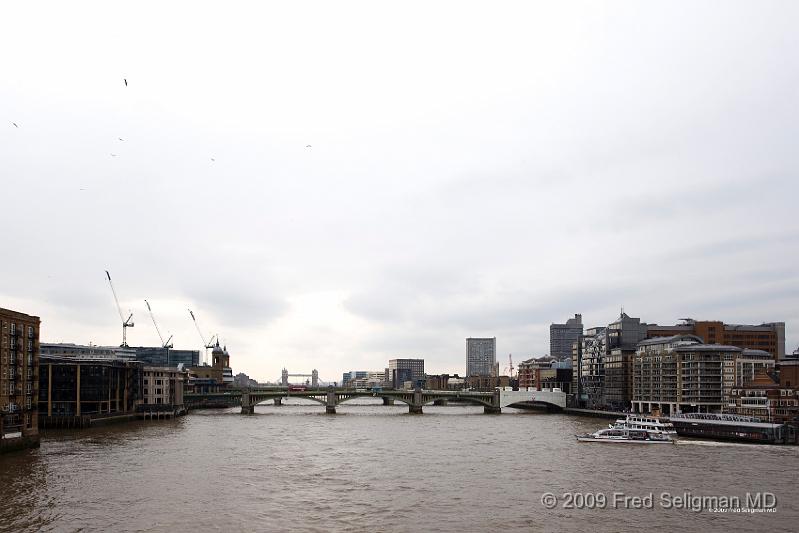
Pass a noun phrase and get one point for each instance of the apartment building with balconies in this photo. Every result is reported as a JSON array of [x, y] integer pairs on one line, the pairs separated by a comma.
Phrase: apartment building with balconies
[[19, 379]]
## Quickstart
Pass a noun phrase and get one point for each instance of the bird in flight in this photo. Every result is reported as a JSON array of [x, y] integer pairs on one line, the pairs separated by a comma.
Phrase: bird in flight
[[308, 146], [120, 138], [212, 159], [126, 81], [15, 124], [113, 155]]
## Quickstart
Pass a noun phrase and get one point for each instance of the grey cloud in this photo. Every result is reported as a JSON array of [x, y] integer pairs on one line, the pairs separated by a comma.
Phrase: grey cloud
[[452, 193]]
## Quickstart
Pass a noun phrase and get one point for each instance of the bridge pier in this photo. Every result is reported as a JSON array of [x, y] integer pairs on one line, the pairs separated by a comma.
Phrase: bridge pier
[[330, 405], [415, 408], [246, 407], [278, 401], [441, 402], [495, 407], [388, 401]]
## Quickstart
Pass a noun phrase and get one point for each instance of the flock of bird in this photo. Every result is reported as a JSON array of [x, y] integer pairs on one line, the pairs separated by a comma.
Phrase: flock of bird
[[125, 80]]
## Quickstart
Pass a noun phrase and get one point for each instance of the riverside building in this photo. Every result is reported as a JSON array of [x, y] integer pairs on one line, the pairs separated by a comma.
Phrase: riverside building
[[214, 378], [481, 356], [90, 351], [163, 390], [682, 374], [769, 337], [371, 379], [402, 371], [563, 336], [604, 363], [166, 357], [545, 372], [151, 355], [19, 369], [76, 391]]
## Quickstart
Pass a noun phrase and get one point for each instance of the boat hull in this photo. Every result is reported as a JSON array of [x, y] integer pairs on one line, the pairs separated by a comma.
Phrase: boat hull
[[624, 441]]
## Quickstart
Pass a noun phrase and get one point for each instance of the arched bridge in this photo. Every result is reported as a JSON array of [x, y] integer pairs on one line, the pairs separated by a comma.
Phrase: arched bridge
[[492, 401]]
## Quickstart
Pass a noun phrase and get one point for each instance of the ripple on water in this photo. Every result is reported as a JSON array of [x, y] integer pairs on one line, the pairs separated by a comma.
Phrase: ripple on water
[[370, 468]]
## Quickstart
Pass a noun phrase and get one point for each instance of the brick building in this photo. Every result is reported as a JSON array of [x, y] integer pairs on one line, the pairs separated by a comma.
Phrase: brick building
[[767, 397], [769, 337], [486, 382], [19, 379]]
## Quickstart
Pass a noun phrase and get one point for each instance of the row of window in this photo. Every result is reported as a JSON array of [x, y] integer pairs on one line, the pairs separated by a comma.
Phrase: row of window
[[157, 400], [13, 329], [13, 358], [9, 388], [12, 406]]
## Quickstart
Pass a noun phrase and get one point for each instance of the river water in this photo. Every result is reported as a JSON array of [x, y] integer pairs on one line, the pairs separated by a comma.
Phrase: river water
[[376, 468]]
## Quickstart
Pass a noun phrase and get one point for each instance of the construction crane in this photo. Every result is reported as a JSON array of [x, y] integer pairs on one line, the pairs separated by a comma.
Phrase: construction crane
[[126, 323], [206, 345], [510, 365], [163, 344]]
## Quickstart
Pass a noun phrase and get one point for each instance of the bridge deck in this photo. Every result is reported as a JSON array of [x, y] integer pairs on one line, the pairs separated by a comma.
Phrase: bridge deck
[[493, 401]]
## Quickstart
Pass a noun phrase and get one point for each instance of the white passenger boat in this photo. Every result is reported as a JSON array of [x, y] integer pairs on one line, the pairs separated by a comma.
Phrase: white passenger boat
[[647, 423], [634, 436]]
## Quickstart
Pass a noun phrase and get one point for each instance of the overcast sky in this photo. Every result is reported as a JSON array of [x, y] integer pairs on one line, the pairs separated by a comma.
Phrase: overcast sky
[[476, 169]]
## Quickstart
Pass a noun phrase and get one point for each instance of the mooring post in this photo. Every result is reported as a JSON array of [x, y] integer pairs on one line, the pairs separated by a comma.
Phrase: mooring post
[[278, 401], [330, 406], [388, 401], [415, 408]]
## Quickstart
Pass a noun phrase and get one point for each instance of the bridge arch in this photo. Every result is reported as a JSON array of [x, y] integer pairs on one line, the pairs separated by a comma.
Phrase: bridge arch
[[356, 395], [259, 399], [427, 400]]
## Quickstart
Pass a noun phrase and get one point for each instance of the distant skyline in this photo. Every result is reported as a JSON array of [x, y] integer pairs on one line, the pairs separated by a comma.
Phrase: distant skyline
[[334, 185]]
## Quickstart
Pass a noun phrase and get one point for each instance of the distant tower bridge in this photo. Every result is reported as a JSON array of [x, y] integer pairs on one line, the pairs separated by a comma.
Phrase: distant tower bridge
[[311, 379]]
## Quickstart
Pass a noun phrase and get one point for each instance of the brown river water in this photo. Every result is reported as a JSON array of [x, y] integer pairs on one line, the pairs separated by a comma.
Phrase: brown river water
[[377, 468]]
